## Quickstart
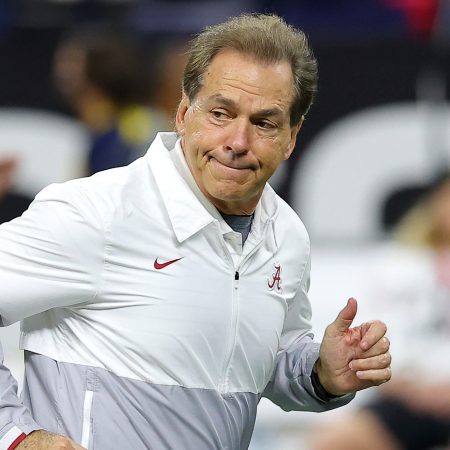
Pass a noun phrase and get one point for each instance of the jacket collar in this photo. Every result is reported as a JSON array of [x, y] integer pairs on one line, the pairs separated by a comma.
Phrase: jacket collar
[[188, 209]]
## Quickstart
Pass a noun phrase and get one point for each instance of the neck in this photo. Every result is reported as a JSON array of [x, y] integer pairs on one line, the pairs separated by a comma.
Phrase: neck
[[234, 208]]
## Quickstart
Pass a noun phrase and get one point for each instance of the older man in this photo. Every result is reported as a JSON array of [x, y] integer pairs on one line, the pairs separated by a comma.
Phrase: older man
[[160, 301]]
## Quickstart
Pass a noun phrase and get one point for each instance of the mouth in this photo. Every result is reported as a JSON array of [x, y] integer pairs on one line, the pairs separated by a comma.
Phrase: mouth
[[229, 165], [229, 171]]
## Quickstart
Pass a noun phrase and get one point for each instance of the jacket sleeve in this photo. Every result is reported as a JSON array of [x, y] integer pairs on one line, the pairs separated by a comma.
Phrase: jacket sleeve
[[50, 257], [290, 386], [15, 419]]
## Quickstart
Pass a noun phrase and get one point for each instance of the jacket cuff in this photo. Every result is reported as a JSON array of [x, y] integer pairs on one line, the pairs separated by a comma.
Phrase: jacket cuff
[[12, 438], [319, 390]]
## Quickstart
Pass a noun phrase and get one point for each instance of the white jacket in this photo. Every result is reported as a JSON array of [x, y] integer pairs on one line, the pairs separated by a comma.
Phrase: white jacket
[[137, 298]]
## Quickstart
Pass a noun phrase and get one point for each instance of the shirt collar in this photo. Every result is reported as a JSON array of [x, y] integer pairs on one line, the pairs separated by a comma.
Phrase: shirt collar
[[189, 210]]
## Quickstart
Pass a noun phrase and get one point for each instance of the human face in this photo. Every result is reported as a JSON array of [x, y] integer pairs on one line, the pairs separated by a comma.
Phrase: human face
[[236, 131]]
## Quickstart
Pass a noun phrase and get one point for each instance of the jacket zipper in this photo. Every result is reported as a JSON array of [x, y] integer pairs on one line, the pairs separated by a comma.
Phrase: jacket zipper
[[223, 386]]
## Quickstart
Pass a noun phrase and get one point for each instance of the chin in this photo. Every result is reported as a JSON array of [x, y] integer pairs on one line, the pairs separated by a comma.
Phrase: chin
[[231, 191], [229, 198], [230, 194]]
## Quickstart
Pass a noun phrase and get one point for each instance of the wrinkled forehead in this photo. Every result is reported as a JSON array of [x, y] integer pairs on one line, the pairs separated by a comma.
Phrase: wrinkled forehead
[[234, 72]]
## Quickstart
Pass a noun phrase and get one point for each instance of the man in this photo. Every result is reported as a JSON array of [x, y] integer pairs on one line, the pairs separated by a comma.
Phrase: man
[[160, 301]]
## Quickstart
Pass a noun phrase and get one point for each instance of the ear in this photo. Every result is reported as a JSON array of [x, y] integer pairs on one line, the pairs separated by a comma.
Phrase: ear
[[183, 107], [294, 132]]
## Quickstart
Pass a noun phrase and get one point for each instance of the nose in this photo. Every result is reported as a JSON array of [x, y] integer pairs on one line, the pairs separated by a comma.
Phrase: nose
[[239, 139]]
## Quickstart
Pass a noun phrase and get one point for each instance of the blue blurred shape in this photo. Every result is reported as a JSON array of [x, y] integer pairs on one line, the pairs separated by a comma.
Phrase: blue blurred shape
[[185, 16]]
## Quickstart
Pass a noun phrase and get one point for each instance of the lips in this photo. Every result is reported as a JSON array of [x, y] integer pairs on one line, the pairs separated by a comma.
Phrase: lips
[[230, 165], [225, 172]]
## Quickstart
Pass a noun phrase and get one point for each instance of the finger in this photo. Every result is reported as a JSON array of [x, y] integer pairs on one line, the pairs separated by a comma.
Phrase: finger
[[376, 376], [375, 362], [381, 347], [373, 334], [345, 317]]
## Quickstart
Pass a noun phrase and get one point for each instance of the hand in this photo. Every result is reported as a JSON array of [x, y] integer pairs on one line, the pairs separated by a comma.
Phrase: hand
[[43, 440], [352, 359]]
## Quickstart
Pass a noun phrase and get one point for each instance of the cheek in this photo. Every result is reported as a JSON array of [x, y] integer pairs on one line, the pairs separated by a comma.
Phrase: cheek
[[197, 150], [271, 154], [202, 132]]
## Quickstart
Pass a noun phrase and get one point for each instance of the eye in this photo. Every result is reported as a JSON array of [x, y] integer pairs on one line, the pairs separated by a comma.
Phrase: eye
[[219, 114], [265, 125]]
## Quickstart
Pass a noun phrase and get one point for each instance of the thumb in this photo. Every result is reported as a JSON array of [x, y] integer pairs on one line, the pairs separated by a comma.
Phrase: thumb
[[345, 317]]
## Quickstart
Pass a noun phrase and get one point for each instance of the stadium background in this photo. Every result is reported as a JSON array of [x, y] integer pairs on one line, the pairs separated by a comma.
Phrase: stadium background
[[384, 66]]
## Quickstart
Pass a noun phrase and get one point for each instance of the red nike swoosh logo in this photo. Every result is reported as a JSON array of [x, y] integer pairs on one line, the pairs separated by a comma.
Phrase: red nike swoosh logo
[[159, 266]]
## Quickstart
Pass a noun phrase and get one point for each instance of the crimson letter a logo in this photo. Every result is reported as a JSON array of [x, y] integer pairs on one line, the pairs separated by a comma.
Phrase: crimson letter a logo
[[275, 281]]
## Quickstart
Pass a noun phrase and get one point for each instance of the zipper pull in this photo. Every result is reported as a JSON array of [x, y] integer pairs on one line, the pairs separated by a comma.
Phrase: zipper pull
[[236, 276]]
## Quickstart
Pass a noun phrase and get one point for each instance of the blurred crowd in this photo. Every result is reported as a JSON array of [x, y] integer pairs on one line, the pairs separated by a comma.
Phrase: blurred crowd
[[123, 91], [409, 286], [104, 77], [327, 16]]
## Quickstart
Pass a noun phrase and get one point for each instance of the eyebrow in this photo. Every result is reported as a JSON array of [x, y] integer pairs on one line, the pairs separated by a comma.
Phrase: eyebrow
[[227, 102]]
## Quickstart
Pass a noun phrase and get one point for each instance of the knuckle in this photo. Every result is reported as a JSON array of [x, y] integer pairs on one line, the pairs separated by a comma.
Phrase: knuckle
[[380, 325], [388, 373]]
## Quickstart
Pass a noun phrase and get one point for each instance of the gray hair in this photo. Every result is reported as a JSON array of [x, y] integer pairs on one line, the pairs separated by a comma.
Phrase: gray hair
[[266, 37]]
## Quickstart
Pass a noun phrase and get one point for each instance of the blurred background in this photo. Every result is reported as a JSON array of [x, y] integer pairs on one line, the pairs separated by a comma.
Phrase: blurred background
[[85, 85]]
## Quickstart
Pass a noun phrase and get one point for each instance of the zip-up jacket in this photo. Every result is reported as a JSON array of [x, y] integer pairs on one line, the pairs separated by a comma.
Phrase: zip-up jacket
[[146, 323]]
